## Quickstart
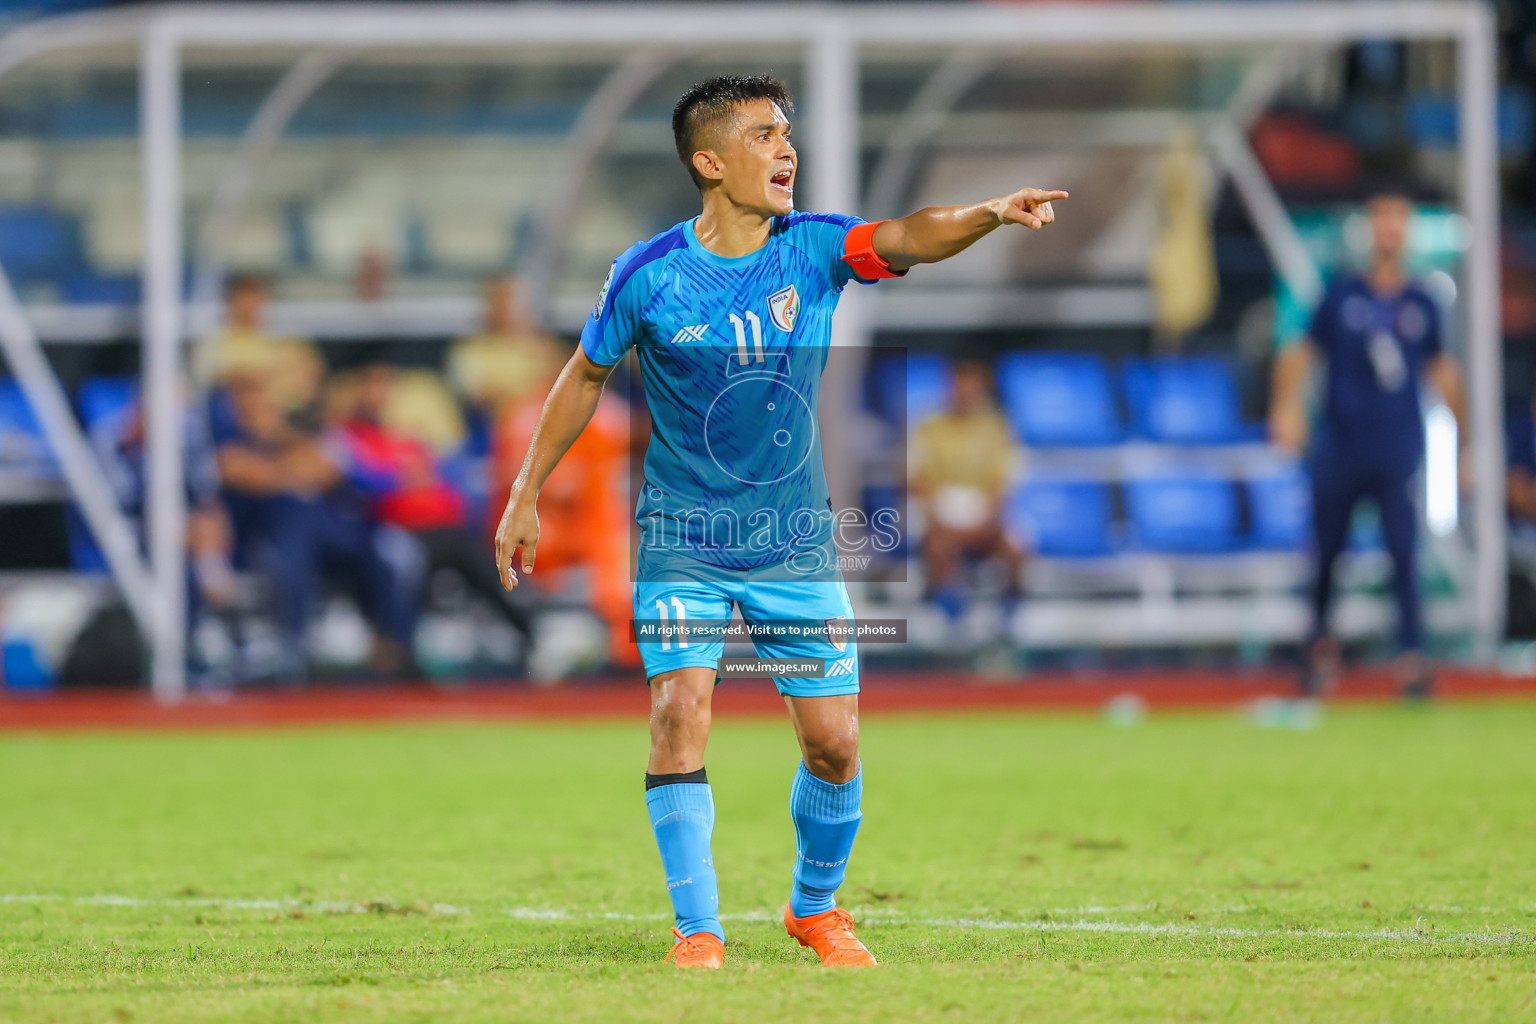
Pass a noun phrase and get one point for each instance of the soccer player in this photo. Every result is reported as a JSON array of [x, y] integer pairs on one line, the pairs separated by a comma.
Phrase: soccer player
[[1379, 333], [730, 314]]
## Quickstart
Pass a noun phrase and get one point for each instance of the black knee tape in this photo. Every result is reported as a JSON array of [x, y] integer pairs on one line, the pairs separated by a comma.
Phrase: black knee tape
[[676, 778]]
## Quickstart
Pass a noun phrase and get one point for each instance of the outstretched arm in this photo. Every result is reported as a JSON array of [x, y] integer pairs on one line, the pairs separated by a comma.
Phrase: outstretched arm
[[939, 232], [567, 410]]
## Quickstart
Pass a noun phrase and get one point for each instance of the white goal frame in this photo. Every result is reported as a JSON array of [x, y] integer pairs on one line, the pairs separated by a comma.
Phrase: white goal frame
[[833, 40]]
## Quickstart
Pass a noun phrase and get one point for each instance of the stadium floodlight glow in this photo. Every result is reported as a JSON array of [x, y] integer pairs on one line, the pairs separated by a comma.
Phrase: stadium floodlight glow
[[834, 41]]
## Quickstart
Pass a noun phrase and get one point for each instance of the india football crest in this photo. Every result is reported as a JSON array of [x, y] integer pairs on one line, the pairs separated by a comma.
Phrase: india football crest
[[784, 308], [836, 632]]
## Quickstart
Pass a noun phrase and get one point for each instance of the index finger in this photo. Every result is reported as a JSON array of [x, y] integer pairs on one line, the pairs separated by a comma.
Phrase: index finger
[[1044, 195]]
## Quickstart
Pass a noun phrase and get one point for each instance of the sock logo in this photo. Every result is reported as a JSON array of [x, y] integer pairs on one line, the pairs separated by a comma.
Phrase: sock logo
[[824, 863]]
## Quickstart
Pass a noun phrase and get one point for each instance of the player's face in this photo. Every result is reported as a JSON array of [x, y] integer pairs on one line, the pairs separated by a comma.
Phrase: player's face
[[1389, 226], [758, 161]]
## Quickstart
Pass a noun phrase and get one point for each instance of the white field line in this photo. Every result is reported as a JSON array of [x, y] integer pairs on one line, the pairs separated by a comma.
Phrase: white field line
[[872, 916]]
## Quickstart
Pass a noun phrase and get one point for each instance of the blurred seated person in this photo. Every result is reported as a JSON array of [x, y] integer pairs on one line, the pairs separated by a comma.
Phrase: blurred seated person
[[588, 500], [398, 470], [963, 460], [293, 366], [119, 442], [1518, 316], [412, 401], [1520, 482], [296, 520], [512, 356]]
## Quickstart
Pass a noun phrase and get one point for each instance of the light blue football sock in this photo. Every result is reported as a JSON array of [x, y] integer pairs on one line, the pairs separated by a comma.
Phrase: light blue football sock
[[683, 818], [827, 818]]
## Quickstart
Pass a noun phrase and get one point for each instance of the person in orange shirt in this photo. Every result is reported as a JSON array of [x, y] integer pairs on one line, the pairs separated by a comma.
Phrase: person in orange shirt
[[589, 494]]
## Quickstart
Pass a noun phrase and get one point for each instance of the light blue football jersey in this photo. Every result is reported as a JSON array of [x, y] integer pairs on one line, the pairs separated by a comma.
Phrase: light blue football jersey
[[731, 352]]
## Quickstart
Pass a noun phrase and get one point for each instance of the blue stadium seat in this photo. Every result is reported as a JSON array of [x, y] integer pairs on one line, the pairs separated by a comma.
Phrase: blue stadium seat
[[1184, 401], [37, 243], [886, 505], [1182, 514], [1280, 510], [21, 437], [113, 289], [1062, 518], [1059, 399], [104, 398], [909, 390]]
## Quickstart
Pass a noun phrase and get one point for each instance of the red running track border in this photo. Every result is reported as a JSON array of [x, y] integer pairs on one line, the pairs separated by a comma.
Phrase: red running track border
[[931, 693]]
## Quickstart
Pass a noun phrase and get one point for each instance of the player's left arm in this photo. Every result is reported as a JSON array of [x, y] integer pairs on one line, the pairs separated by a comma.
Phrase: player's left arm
[[939, 232]]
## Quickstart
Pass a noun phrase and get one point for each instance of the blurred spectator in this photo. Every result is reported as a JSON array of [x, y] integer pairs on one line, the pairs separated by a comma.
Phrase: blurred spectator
[[295, 520], [586, 507], [399, 472], [1520, 497], [415, 402], [1380, 334], [119, 442], [510, 358], [963, 460], [293, 366], [373, 279]]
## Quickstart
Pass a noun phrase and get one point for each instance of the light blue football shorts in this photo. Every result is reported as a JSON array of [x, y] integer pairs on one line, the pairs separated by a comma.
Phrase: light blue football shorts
[[810, 605]]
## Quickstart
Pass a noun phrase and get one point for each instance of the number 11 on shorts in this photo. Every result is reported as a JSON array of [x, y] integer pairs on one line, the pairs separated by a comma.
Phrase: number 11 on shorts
[[682, 624]]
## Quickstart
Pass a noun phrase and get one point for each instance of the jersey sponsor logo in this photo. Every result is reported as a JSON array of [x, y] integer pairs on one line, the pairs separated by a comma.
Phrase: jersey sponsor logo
[[1358, 313], [693, 332], [784, 308], [1388, 362], [602, 296]]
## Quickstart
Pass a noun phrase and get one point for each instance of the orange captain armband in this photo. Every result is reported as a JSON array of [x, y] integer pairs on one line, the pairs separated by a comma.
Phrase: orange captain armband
[[859, 251]]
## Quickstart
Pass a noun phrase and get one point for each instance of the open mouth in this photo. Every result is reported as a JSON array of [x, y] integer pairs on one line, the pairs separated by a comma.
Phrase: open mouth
[[784, 179]]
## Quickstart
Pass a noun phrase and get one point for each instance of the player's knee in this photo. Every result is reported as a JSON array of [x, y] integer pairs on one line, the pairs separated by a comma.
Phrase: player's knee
[[834, 756], [677, 709]]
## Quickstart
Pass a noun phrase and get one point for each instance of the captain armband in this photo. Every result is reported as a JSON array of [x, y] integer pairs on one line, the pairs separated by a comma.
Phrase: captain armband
[[859, 251]]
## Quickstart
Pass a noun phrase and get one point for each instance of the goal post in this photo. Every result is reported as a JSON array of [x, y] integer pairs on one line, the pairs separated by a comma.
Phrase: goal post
[[834, 44]]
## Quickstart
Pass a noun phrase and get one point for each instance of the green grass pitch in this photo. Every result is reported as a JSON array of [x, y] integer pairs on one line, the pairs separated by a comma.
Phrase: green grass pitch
[[1044, 867]]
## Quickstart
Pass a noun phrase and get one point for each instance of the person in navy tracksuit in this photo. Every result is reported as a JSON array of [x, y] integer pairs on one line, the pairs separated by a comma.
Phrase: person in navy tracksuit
[[1379, 334]]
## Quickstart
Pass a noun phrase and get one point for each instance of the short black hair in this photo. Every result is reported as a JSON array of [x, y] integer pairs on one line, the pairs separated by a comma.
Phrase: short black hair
[[715, 99]]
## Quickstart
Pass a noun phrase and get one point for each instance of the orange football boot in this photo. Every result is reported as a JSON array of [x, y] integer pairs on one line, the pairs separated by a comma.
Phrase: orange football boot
[[830, 934], [700, 950]]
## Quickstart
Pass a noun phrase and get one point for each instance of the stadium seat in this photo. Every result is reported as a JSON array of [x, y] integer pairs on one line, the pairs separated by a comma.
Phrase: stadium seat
[[37, 243], [886, 505], [113, 289], [1062, 518], [1280, 510], [909, 390], [22, 444], [1059, 399], [104, 398], [1183, 401], [1182, 514]]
